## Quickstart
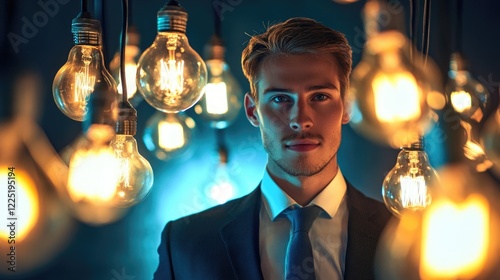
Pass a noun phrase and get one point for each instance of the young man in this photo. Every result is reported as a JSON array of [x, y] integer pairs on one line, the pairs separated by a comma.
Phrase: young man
[[299, 74]]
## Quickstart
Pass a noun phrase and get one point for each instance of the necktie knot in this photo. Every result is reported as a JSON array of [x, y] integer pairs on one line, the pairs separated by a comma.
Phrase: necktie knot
[[303, 218]]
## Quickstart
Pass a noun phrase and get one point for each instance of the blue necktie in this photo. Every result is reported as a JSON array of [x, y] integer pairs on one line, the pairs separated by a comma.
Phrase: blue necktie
[[299, 263]]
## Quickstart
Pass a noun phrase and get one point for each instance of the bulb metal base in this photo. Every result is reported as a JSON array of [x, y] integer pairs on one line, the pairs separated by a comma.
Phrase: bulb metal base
[[86, 31], [127, 120], [172, 18]]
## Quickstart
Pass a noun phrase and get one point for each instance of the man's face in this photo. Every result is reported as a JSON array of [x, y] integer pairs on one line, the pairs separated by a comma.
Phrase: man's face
[[299, 112]]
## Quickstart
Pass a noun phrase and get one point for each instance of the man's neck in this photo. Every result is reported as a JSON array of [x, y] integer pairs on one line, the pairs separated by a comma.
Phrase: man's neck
[[303, 189]]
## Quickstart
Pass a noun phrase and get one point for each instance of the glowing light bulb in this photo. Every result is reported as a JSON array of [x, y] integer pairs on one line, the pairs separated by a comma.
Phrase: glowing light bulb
[[75, 81], [469, 99], [407, 185], [222, 100], [456, 237], [221, 187], [93, 169], [467, 96], [132, 53], [490, 139], [168, 135], [392, 94], [171, 75], [135, 172]]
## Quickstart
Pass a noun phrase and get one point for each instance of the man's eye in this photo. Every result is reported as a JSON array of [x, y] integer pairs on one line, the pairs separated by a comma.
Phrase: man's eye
[[280, 98], [320, 97]]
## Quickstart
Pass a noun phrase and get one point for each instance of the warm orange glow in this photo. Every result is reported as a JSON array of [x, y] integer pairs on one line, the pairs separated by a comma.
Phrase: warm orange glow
[[93, 175], [170, 135], [455, 239], [396, 97], [461, 101], [26, 204]]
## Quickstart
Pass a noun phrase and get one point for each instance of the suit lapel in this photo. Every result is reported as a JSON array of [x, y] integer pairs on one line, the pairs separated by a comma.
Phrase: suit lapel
[[362, 238], [241, 237]]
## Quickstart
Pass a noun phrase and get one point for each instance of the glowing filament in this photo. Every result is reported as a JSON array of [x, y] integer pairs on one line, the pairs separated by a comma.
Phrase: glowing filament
[[172, 76], [84, 81], [93, 175], [216, 98], [396, 97], [461, 101], [448, 255], [170, 135], [413, 191]]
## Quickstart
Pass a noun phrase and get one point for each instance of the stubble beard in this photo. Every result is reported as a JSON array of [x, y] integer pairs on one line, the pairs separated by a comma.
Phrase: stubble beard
[[297, 167]]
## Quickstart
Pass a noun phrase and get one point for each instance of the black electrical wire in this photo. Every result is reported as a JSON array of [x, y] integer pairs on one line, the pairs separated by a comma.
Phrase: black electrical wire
[[123, 43], [84, 7], [426, 25], [217, 22], [459, 25]]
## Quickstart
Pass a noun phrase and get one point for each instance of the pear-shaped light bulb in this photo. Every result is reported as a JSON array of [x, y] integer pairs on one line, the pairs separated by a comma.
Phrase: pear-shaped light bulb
[[407, 185], [171, 75], [135, 173], [221, 102], [168, 135], [75, 81], [391, 91], [490, 139]]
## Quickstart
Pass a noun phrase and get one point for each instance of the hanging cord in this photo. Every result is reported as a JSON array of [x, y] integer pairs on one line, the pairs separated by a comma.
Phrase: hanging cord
[[459, 26], [221, 145], [217, 22], [123, 43], [84, 6], [412, 27], [426, 27]]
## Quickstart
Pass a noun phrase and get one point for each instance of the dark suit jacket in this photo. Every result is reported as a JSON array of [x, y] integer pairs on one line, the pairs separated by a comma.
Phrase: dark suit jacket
[[223, 242]]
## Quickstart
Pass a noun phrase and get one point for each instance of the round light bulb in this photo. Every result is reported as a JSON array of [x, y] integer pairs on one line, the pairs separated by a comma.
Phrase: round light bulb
[[490, 139], [93, 177], [75, 81], [390, 92], [407, 185], [221, 188], [221, 102], [466, 95], [135, 173], [171, 75], [168, 135]]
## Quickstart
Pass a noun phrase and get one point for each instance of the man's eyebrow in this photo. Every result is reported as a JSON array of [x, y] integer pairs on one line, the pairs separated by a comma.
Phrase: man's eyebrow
[[284, 90], [311, 88], [323, 86]]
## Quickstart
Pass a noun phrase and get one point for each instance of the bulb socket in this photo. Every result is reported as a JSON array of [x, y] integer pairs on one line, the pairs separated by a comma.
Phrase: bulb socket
[[102, 107], [127, 119], [458, 62], [416, 145], [172, 18], [86, 31], [215, 49]]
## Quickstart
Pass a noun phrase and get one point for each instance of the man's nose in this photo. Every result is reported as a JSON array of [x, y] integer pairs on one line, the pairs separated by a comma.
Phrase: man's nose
[[300, 116]]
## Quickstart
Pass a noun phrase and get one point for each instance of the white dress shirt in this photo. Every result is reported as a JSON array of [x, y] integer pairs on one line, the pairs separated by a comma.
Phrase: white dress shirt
[[328, 233]]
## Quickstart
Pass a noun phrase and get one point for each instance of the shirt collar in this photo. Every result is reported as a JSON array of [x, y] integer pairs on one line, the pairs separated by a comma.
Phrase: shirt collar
[[276, 200]]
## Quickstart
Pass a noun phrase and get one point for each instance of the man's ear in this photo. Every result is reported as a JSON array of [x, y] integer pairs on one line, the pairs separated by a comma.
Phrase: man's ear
[[346, 117], [250, 110]]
